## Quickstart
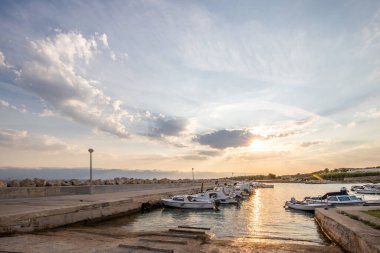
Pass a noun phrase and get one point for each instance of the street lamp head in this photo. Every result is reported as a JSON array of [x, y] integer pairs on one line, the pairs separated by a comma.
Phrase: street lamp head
[[90, 150]]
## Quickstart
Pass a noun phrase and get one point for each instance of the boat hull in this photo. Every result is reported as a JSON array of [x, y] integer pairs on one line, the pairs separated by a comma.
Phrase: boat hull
[[188, 205], [304, 206]]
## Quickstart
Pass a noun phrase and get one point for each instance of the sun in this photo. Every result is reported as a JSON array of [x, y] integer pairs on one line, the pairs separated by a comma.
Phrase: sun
[[256, 145]]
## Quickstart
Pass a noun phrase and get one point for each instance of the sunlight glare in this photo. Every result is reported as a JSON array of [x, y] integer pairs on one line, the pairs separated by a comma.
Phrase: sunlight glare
[[256, 145]]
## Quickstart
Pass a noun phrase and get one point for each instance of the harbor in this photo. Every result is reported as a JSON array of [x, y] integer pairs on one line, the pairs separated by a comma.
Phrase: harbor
[[104, 221]]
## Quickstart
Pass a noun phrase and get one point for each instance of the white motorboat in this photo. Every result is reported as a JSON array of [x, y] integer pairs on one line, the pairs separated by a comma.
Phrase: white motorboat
[[261, 185], [306, 205], [188, 202], [340, 198], [344, 200], [243, 189], [369, 189], [375, 202], [220, 195]]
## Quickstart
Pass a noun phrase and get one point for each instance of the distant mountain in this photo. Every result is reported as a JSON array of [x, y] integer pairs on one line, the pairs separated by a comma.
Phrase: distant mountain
[[7, 173]]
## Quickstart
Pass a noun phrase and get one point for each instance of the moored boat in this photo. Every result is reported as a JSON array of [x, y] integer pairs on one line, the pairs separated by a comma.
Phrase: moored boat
[[305, 205], [188, 202], [220, 195]]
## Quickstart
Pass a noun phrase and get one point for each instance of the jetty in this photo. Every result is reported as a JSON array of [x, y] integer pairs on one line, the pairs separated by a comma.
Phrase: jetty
[[36, 209], [351, 227]]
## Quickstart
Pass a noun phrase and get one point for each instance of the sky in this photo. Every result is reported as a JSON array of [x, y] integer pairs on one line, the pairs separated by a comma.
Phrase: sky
[[243, 87]]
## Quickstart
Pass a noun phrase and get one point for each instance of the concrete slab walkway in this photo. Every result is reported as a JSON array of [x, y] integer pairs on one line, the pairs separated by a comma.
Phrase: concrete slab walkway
[[345, 226], [33, 214]]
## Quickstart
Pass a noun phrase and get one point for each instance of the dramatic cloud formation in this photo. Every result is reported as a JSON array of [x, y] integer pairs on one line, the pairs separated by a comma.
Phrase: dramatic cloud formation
[[52, 74], [174, 85]]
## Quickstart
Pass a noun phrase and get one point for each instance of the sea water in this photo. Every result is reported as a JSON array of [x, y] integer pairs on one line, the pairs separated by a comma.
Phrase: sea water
[[260, 218]]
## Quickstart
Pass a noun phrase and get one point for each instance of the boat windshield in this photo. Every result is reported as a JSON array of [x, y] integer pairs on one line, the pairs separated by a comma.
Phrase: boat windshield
[[344, 198], [178, 198], [332, 199], [353, 198]]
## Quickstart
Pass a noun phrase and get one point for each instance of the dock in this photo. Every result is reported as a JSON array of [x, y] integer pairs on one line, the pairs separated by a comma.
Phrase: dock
[[19, 215], [351, 228]]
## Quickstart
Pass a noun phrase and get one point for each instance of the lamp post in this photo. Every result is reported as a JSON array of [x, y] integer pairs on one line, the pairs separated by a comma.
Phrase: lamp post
[[90, 150], [192, 171]]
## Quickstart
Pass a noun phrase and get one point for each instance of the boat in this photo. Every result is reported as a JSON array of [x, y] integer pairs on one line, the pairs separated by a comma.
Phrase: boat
[[369, 189], [356, 187], [305, 205], [261, 185], [345, 200], [340, 198], [220, 195], [372, 202], [188, 202], [343, 191]]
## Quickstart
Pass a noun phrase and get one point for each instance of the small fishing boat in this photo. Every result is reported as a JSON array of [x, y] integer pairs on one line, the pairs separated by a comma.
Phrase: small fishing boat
[[340, 198], [369, 189], [218, 195], [188, 202], [372, 202], [345, 200], [305, 205]]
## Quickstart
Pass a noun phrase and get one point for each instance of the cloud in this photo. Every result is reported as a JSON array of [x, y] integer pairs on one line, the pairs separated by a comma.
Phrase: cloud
[[372, 31], [210, 152], [194, 157], [163, 126], [3, 64], [284, 134], [3, 104], [6, 104], [104, 39], [21, 139], [222, 139], [46, 113], [257, 156], [351, 124], [373, 113], [247, 49], [51, 75], [310, 143]]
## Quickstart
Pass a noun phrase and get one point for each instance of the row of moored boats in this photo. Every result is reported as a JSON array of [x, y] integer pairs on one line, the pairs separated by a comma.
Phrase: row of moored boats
[[211, 198], [330, 199]]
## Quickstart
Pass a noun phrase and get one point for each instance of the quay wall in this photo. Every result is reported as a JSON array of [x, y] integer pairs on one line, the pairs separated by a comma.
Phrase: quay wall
[[82, 211], [35, 192], [349, 234]]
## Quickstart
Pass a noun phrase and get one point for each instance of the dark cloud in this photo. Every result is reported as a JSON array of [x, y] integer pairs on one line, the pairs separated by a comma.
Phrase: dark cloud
[[222, 139], [167, 127]]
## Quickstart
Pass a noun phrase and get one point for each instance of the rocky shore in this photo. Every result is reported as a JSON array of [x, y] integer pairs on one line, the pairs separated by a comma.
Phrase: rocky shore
[[39, 182]]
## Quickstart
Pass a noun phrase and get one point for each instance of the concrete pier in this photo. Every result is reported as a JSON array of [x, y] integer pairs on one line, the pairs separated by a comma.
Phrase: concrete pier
[[35, 214], [348, 227]]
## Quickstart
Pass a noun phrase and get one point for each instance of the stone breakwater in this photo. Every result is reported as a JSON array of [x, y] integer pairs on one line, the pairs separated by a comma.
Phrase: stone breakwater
[[39, 182]]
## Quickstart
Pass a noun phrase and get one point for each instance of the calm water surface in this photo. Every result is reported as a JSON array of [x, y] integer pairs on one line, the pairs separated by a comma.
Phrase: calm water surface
[[260, 218]]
